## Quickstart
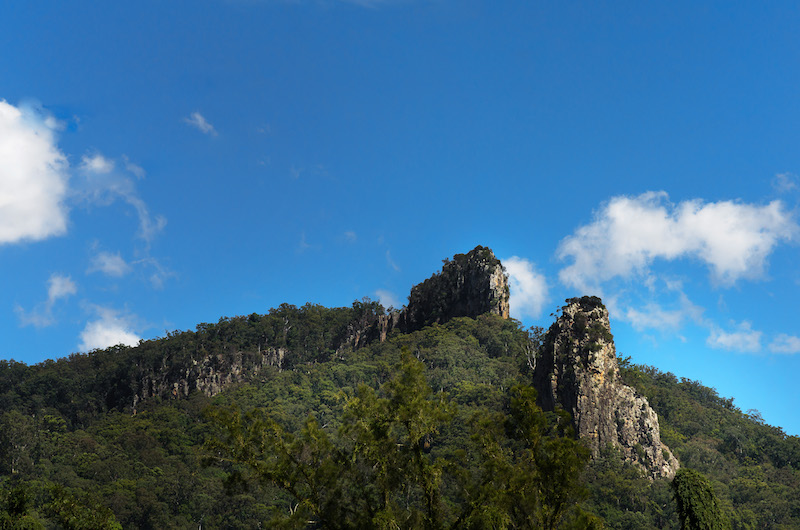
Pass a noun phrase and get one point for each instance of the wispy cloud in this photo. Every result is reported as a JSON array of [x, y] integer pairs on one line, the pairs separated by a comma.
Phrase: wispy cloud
[[303, 244], [33, 176], [134, 169], [58, 287], [160, 273], [629, 233], [787, 344], [97, 163], [101, 182], [653, 315], [111, 264], [316, 171], [737, 337], [109, 329], [742, 339], [391, 262], [785, 182], [388, 299], [350, 236], [199, 122], [528, 287]]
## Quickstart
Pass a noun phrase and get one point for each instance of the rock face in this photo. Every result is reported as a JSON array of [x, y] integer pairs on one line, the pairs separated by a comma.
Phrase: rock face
[[469, 285], [210, 374], [577, 369]]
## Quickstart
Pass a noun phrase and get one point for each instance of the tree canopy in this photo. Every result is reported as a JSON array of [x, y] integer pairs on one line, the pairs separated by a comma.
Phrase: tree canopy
[[70, 442]]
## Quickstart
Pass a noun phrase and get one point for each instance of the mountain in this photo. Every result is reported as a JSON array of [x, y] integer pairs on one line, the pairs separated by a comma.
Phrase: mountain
[[469, 285], [121, 433], [577, 370]]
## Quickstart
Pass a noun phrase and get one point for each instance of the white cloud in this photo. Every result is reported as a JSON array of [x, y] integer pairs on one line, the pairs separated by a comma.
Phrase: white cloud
[[784, 343], [784, 182], [388, 299], [33, 176], [108, 330], [160, 272], [744, 339], [101, 183], [303, 245], [134, 169], [391, 262], [733, 239], [528, 288], [653, 316], [58, 287], [110, 264], [97, 163], [350, 236], [197, 121], [34, 179]]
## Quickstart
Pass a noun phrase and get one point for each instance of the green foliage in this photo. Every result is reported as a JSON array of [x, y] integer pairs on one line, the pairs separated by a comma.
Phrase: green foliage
[[531, 467], [15, 509], [74, 513], [382, 469], [625, 498], [365, 480], [698, 507], [69, 424], [588, 303], [57, 507], [754, 467]]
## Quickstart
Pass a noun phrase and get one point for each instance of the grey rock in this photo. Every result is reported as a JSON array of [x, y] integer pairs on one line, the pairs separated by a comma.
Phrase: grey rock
[[209, 374], [469, 285], [577, 369]]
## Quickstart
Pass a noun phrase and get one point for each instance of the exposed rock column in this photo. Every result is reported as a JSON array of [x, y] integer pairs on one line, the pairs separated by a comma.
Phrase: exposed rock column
[[468, 285], [577, 370]]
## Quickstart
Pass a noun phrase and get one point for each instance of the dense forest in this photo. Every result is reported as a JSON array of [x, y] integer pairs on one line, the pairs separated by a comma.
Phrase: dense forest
[[437, 428]]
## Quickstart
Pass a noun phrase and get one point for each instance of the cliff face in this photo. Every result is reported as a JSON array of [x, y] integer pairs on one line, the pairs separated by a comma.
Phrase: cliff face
[[469, 285], [209, 374], [577, 369]]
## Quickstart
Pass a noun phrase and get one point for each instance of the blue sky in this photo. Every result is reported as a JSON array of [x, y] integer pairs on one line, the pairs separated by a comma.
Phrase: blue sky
[[168, 163]]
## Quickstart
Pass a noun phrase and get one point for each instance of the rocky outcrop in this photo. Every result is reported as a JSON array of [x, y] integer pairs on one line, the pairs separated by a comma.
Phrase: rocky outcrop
[[577, 370], [209, 374], [468, 285]]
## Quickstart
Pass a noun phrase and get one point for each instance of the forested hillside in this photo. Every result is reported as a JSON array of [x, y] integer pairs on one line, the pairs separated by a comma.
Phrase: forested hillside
[[74, 454]]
